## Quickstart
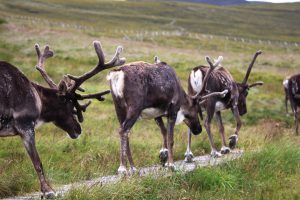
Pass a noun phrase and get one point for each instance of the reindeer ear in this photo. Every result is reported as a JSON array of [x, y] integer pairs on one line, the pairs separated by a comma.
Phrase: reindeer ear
[[62, 88]]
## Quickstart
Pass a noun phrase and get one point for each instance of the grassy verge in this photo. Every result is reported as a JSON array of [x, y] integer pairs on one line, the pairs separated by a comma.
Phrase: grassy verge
[[271, 173]]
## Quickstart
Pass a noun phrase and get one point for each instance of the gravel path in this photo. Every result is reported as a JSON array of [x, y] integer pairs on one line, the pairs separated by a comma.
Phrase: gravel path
[[156, 170]]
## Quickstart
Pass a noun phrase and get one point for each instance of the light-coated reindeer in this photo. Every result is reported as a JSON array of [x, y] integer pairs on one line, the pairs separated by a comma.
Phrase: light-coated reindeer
[[219, 80], [24, 104], [153, 91]]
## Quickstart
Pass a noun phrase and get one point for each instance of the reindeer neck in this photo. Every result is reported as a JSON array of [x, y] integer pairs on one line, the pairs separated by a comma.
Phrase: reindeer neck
[[185, 99], [48, 98]]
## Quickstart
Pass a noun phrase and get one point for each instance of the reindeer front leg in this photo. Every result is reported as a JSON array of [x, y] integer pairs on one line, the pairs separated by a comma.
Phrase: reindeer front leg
[[163, 153], [234, 138], [224, 149], [172, 115], [27, 134], [188, 155]]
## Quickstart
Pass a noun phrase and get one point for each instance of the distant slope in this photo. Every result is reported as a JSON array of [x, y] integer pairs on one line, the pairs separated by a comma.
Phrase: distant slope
[[262, 21], [222, 2]]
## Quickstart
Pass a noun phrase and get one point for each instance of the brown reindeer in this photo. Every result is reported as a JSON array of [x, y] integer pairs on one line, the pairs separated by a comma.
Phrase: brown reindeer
[[219, 80], [292, 93], [24, 104], [153, 91]]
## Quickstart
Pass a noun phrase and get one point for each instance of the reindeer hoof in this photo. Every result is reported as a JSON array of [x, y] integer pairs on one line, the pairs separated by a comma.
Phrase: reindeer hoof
[[215, 154], [233, 141], [225, 150], [171, 166], [163, 156], [122, 170], [188, 157], [133, 170], [49, 195]]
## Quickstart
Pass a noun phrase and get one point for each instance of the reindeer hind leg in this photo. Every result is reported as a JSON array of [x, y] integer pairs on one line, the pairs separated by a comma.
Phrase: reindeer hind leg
[[163, 153], [131, 118]]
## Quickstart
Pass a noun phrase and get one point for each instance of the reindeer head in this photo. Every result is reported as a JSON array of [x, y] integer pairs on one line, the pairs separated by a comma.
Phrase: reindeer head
[[244, 87], [66, 100], [192, 109]]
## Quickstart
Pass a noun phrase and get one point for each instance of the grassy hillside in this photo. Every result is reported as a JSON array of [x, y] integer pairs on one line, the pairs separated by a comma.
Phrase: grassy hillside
[[269, 22], [70, 27]]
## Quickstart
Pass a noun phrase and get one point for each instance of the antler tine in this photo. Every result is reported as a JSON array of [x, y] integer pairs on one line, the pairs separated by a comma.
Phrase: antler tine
[[250, 66], [98, 96], [220, 94], [40, 65], [116, 61], [99, 52], [211, 68], [80, 109], [258, 83]]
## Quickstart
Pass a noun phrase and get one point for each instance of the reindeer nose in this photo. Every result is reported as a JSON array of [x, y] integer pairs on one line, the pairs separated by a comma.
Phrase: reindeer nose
[[197, 131]]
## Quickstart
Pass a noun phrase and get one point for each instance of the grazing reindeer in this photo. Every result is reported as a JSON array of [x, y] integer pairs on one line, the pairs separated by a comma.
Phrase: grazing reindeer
[[23, 104], [152, 91], [292, 89], [220, 79]]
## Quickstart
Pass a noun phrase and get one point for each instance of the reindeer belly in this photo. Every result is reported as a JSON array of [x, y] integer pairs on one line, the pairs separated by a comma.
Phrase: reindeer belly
[[151, 113]]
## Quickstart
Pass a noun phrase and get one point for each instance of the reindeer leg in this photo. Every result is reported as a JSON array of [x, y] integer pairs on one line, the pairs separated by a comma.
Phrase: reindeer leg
[[163, 153], [172, 115], [27, 134], [295, 111], [129, 156], [234, 138], [296, 121], [207, 123], [286, 102], [224, 149], [188, 154], [124, 134]]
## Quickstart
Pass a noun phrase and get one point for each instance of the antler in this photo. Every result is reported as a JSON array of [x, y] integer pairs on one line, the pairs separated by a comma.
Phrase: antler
[[220, 94], [115, 61], [80, 109], [258, 83], [250, 66], [40, 64], [98, 96], [211, 68]]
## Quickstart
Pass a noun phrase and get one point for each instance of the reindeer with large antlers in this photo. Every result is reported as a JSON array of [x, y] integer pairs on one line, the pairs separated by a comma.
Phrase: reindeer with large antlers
[[23, 104], [153, 91], [219, 80]]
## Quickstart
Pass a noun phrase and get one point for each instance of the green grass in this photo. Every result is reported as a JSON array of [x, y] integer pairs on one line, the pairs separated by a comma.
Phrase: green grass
[[267, 174], [95, 153]]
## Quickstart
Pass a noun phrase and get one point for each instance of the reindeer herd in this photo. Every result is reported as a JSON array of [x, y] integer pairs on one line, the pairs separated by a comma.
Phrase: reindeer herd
[[139, 90]]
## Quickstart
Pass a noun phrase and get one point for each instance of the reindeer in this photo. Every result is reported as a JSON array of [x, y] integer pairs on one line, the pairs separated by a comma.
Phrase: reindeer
[[292, 93], [25, 104], [219, 80], [152, 91]]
